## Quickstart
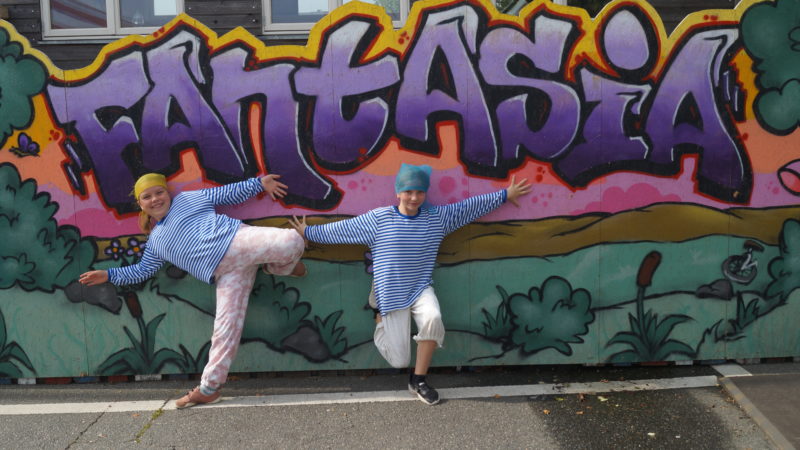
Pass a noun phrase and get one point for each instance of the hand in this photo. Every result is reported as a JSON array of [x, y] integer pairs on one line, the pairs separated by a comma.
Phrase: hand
[[272, 186], [94, 277], [299, 226], [517, 190]]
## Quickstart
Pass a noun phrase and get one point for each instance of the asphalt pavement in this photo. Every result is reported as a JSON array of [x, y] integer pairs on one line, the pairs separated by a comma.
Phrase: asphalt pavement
[[768, 395], [539, 407]]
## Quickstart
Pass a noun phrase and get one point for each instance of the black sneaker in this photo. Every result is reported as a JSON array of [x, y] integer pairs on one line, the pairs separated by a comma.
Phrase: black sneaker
[[424, 392]]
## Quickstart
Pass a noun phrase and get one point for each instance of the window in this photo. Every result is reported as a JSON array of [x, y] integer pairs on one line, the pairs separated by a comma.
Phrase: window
[[287, 16], [106, 18], [293, 16]]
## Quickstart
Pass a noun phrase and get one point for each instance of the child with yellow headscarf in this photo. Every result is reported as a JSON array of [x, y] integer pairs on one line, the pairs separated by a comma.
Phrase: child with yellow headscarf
[[187, 232]]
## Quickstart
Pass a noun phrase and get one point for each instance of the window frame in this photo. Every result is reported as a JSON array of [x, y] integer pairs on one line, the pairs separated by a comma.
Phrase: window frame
[[277, 28], [113, 28]]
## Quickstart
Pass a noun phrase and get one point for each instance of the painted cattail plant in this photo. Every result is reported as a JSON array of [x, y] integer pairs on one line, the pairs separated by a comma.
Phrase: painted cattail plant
[[141, 357], [648, 338]]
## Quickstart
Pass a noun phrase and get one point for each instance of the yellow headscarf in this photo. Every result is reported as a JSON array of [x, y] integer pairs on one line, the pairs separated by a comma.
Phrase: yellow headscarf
[[147, 181]]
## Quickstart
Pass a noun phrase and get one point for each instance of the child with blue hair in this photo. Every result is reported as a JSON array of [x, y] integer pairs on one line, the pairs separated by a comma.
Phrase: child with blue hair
[[404, 241]]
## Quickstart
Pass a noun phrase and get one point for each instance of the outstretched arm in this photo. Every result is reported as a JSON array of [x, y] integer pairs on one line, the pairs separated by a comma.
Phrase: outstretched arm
[[456, 215], [233, 193], [357, 230], [135, 273]]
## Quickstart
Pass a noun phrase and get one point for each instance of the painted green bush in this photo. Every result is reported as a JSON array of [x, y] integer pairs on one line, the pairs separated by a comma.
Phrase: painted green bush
[[21, 77], [770, 35], [785, 269], [552, 316], [36, 253], [275, 312]]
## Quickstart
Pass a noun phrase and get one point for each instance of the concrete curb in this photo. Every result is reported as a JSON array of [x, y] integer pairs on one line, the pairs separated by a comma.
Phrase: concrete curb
[[758, 417]]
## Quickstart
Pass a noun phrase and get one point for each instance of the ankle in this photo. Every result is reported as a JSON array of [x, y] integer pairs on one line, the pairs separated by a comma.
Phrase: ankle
[[207, 390]]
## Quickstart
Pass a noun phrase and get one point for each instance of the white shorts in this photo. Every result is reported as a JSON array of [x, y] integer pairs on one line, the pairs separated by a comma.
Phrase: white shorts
[[392, 333]]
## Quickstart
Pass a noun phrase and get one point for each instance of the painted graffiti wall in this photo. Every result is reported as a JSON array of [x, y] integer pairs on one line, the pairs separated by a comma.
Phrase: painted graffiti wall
[[662, 225]]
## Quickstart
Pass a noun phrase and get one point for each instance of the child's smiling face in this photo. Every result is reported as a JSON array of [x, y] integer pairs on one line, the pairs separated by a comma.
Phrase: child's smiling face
[[155, 201], [410, 201]]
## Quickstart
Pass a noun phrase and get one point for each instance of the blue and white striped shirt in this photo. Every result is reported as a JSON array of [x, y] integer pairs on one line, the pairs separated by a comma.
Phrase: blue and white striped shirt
[[192, 235], [404, 248]]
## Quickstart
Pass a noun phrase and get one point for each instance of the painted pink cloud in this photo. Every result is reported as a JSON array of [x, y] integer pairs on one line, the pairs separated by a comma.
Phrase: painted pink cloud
[[615, 199]]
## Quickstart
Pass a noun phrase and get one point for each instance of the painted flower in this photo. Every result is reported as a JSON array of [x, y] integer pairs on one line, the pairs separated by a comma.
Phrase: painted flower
[[114, 250], [135, 248]]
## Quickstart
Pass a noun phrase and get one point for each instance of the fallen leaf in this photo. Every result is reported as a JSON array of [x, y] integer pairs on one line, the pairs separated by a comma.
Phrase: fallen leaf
[[580, 413], [581, 397], [651, 434], [559, 399], [136, 415], [497, 395], [604, 381], [546, 411], [601, 398]]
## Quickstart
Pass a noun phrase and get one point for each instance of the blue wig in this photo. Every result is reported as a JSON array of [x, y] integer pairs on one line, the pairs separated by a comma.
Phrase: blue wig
[[412, 178]]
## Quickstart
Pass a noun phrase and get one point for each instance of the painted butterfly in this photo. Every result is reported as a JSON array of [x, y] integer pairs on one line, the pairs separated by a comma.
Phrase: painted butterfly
[[25, 146]]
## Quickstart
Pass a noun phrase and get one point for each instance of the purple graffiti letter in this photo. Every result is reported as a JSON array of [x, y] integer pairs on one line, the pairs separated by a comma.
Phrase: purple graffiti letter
[[342, 139], [177, 116], [609, 141], [98, 113], [442, 58], [686, 118], [271, 87], [556, 126]]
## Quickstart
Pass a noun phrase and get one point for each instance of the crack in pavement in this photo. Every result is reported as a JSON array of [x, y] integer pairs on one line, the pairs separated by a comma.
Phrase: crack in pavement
[[80, 435]]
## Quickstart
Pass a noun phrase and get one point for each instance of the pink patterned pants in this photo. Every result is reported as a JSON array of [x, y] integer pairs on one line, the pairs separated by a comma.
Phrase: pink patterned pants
[[235, 275]]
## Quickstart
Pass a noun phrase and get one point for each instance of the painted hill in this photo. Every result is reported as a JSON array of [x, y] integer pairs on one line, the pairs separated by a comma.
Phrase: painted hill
[[666, 222]]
